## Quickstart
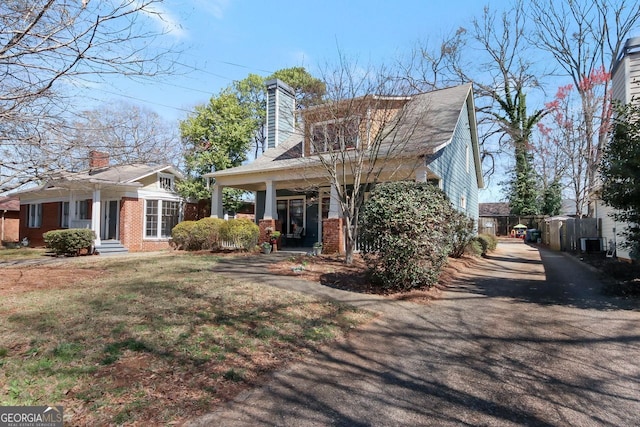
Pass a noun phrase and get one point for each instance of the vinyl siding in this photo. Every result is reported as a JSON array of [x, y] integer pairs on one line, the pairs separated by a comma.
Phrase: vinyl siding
[[450, 164]]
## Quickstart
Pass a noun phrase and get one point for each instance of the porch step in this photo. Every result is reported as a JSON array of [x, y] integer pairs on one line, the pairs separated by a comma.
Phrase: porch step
[[111, 247]]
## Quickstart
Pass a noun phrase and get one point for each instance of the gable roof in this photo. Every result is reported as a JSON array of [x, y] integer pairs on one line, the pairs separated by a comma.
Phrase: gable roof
[[121, 175], [9, 204], [427, 125]]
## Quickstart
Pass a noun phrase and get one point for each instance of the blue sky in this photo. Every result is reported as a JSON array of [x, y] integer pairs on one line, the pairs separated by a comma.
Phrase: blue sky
[[224, 40]]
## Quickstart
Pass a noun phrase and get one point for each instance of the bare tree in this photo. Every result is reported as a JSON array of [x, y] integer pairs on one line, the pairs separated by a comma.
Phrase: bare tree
[[585, 37], [48, 47], [361, 135], [127, 132]]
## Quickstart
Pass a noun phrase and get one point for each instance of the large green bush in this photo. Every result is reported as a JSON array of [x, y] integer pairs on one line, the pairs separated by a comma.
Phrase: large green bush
[[205, 234], [209, 233], [69, 241], [461, 233], [243, 233], [405, 230], [181, 235]]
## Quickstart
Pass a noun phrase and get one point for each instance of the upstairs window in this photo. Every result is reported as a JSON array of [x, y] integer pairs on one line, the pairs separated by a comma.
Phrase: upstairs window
[[165, 182], [334, 135]]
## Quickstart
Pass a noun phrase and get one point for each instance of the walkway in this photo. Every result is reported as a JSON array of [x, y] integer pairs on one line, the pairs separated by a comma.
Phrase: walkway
[[525, 340]]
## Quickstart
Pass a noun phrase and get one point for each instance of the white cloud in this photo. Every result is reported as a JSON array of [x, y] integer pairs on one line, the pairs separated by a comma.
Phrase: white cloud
[[165, 20], [216, 8]]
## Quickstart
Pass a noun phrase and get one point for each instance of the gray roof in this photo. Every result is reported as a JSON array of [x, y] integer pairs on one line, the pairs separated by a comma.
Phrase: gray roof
[[427, 125], [121, 175], [9, 204], [494, 209]]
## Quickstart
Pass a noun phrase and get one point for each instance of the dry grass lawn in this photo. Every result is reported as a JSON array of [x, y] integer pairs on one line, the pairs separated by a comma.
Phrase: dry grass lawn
[[148, 341]]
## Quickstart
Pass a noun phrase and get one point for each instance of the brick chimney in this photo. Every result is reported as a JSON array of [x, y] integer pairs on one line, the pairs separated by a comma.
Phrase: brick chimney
[[281, 107], [98, 159]]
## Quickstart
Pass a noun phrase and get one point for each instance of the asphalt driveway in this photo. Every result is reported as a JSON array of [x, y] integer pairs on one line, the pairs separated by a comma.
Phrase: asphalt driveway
[[525, 340]]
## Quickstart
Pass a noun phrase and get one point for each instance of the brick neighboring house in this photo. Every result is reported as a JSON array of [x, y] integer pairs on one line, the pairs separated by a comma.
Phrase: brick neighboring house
[[291, 188], [129, 207], [9, 220]]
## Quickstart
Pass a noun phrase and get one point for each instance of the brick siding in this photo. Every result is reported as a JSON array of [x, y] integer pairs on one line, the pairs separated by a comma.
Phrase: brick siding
[[332, 236]]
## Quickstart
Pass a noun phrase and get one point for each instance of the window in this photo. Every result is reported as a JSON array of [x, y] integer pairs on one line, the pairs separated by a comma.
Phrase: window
[[463, 202], [160, 218], [165, 182], [291, 213], [334, 135], [64, 214], [35, 215], [82, 209]]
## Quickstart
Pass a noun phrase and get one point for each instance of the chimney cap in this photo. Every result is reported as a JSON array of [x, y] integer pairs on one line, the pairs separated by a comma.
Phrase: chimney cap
[[277, 83]]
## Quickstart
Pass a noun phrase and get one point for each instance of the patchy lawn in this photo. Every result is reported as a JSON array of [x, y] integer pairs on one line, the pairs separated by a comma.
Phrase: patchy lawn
[[7, 255], [150, 340], [332, 271]]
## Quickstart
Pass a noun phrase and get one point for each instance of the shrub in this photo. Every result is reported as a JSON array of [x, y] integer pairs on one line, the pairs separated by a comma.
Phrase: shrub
[[242, 232], [461, 233], [404, 231], [487, 242], [205, 234], [474, 248], [181, 234], [70, 241]]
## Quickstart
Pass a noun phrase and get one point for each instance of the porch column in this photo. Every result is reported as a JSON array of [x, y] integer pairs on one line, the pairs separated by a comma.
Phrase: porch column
[[217, 210], [334, 203], [421, 175], [270, 205], [95, 215], [72, 209]]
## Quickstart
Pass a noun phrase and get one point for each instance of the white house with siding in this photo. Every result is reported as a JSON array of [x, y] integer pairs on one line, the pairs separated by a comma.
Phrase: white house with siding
[[625, 87], [291, 187]]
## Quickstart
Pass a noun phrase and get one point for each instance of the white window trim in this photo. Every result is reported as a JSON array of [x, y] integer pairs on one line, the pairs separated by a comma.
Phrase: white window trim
[[312, 146], [158, 235], [467, 159], [168, 176], [304, 210], [34, 221]]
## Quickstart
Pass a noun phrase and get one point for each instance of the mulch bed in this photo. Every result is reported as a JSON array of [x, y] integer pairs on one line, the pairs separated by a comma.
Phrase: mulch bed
[[621, 278]]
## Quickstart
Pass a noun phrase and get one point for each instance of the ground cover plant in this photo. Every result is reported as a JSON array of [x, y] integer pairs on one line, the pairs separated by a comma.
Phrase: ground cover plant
[[148, 340]]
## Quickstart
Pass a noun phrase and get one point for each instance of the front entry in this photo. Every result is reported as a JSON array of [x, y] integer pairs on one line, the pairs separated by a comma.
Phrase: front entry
[[109, 223]]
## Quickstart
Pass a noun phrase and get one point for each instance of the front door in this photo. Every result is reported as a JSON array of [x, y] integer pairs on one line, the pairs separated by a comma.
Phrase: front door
[[109, 223]]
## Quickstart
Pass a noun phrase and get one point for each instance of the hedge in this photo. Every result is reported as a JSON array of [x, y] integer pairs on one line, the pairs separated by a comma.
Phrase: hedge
[[209, 233]]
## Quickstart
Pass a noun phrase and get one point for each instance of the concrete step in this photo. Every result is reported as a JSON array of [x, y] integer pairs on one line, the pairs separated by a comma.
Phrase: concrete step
[[111, 247]]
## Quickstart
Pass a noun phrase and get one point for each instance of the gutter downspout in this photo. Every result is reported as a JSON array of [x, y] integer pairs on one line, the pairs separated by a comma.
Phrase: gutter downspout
[[4, 212]]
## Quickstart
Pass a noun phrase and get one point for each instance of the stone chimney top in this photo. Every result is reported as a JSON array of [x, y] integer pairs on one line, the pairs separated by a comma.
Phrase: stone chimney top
[[98, 159]]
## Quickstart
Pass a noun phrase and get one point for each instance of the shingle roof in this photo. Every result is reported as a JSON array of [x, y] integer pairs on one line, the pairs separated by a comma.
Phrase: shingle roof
[[494, 209], [427, 125], [9, 204]]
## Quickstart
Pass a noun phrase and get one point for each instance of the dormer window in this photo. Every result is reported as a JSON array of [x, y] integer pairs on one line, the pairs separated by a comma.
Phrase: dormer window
[[334, 135], [165, 181]]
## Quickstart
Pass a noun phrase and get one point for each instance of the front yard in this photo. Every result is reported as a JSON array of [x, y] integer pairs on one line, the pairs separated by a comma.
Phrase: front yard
[[149, 340]]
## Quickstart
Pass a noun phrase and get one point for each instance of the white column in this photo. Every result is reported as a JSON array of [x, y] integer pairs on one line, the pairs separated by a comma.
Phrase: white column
[[217, 210], [334, 203], [72, 209], [320, 206], [421, 175], [95, 215], [270, 205]]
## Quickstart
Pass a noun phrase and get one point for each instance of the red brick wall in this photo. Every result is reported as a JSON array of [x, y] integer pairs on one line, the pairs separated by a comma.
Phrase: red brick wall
[[10, 226], [50, 221], [132, 227], [332, 236]]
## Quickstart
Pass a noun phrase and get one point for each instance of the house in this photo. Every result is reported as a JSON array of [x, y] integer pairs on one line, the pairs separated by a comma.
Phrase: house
[[9, 220], [291, 185], [625, 87], [129, 207]]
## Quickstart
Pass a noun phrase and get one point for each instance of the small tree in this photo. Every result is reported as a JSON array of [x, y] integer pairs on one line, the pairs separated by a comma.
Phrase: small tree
[[405, 228], [620, 171]]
